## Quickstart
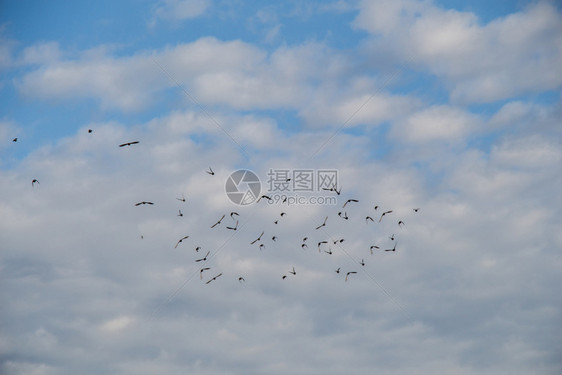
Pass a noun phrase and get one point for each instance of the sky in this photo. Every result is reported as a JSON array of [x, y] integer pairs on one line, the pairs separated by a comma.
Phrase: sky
[[447, 107]]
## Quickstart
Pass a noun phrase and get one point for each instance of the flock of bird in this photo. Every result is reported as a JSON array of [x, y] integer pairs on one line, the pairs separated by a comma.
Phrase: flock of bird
[[322, 246]]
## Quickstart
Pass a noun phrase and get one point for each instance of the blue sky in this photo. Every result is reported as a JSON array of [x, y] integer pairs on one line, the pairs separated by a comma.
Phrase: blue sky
[[451, 107]]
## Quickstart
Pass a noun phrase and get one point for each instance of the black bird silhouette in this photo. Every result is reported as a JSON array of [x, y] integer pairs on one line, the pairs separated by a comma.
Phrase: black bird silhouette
[[181, 239], [234, 213], [362, 262], [384, 213], [340, 241], [334, 189], [262, 246], [180, 214], [204, 258], [323, 224], [329, 251], [293, 271], [349, 200], [349, 273], [214, 278], [320, 243], [400, 223], [240, 279], [304, 245], [283, 277], [197, 249], [368, 218], [416, 209], [234, 227], [90, 130], [201, 272], [35, 181], [182, 199], [304, 239], [210, 171], [14, 140], [273, 238], [391, 237], [257, 239], [276, 221], [338, 270], [128, 144], [394, 248], [282, 214], [344, 216], [218, 222], [376, 208], [265, 197], [373, 247], [143, 202]]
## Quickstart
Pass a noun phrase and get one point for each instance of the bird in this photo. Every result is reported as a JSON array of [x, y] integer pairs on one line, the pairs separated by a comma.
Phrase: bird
[[282, 214], [276, 221], [348, 201], [262, 246], [400, 223], [204, 258], [234, 213], [90, 130], [257, 239], [340, 241], [362, 262], [391, 237], [283, 277], [201, 272], [373, 247], [368, 218], [320, 243], [182, 199], [234, 227], [128, 144], [143, 202], [416, 209], [273, 238], [329, 252], [293, 271], [334, 189], [14, 140], [210, 171], [349, 273], [304, 245], [197, 249], [218, 222], [323, 224], [338, 270], [180, 213], [394, 248], [384, 213], [240, 279], [376, 208], [265, 197], [304, 239], [34, 182], [181, 239], [344, 215], [214, 278]]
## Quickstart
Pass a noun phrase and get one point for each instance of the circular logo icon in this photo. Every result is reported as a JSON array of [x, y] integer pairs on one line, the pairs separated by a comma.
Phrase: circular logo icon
[[243, 187]]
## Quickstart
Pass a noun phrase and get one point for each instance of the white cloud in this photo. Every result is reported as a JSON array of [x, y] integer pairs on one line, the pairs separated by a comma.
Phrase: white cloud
[[181, 9], [516, 54]]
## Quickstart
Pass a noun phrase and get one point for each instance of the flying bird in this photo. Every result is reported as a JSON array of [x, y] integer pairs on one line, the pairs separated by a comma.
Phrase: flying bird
[[376, 208], [180, 213], [240, 279], [368, 218], [400, 223], [197, 249], [348, 201], [349, 273], [128, 144], [218, 222], [282, 214], [181, 239], [344, 216], [304, 239], [293, 271], [320, 243], [384, 213], [265, 197], [210, 171], [273, 238], [391, 237], [201, 272], [323, 224], [143, 202], [338, 270], [204, 258], [362, 262], [214, 278], [35, 181], [416, 209], [329, 252], [283, 277], [262, 246], [232, 214], [257, 239], [373, 247], [14, 140], [90, 130], [234, 227], [394, 248], [182, 199], [304, 245]]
